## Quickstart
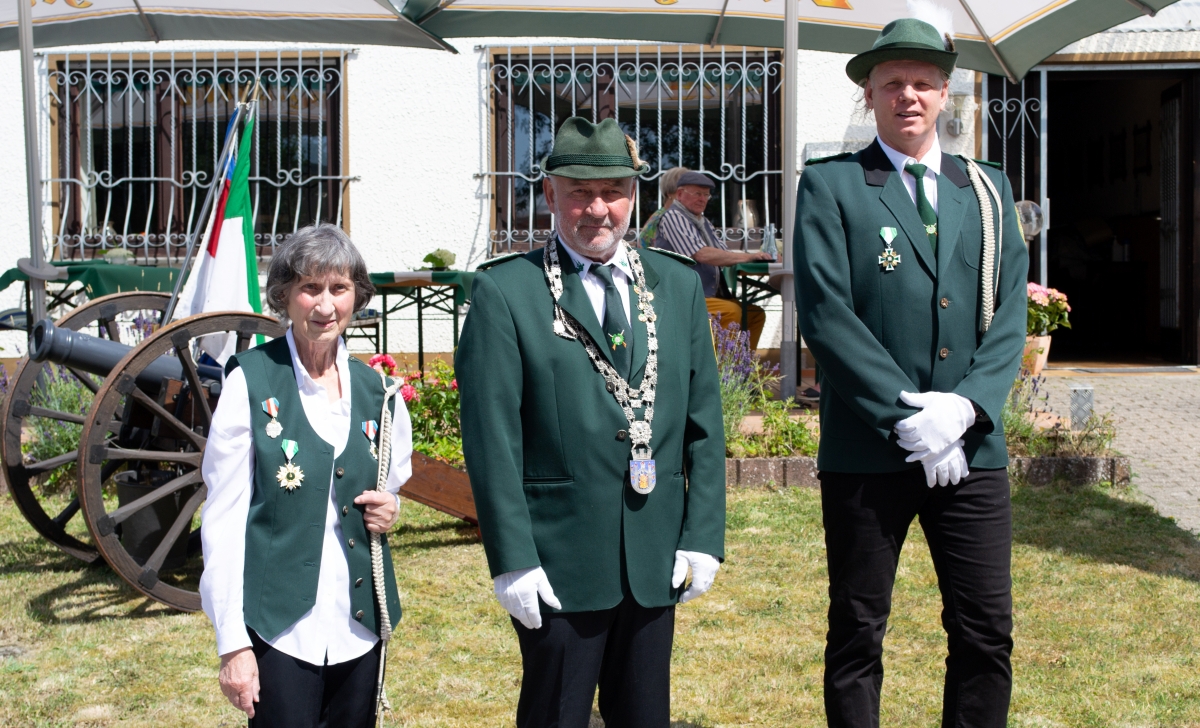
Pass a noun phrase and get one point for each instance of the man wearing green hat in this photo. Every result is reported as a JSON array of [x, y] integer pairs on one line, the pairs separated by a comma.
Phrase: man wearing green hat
[[591, 420], [910, 280]]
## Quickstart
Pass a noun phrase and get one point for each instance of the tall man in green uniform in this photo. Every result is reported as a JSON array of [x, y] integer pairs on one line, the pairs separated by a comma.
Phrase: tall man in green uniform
[[591, 420], [911, 295]]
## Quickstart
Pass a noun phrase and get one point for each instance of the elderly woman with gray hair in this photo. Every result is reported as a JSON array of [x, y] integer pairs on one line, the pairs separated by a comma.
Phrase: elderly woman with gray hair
[[292, 467]]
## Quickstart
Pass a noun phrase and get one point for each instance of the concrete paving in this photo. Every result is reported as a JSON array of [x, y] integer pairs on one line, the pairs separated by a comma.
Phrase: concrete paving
[[1158, 427]]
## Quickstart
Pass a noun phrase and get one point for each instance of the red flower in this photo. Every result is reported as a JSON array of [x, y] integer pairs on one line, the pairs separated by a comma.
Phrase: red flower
[[383, 363], [408, 392], [454, 384]]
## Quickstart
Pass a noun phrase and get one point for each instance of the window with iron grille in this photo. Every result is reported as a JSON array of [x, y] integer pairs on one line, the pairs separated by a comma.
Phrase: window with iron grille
[[714, 110], [134, 138]]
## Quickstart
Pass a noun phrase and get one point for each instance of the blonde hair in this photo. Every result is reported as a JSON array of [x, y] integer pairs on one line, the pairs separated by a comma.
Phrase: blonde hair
[[669, 182]]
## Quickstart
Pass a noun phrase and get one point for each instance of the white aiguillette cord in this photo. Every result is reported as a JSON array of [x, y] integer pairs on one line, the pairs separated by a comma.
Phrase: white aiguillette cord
[[377, 572], [989, 272]]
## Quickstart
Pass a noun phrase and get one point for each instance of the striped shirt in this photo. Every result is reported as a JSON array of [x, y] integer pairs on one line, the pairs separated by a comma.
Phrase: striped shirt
[[682, 232]]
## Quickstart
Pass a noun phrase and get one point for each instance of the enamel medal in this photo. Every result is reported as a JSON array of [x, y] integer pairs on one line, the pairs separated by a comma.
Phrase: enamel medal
[[641, 466], [370, 429], [890, 258], [273, 428], [290, 475]]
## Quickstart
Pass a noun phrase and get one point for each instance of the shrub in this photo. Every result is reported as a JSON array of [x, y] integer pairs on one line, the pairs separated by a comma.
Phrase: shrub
[[432, 400], [746, 385], [1025, 439], [47, 438]]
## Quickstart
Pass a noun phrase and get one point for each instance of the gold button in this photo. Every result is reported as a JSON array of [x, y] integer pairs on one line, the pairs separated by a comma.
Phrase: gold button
[[358, 615], [352, 540], [345, 510], [341, 472], [945, 303], [358, 582], [944, 352]]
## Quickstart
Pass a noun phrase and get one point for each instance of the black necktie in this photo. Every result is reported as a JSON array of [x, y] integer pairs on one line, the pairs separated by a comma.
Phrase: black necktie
[[616, 326], [924, 209]]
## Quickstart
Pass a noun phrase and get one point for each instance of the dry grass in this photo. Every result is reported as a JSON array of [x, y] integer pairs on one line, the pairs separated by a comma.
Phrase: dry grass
[[1108, 626]]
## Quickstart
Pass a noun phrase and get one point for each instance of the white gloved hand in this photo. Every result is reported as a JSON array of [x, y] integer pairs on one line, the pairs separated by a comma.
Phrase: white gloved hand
[[947, 466], [704, 570], [943, 418], [518, 592]]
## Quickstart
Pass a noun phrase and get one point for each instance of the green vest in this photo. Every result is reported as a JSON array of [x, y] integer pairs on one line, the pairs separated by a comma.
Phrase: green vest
[[285, 530]]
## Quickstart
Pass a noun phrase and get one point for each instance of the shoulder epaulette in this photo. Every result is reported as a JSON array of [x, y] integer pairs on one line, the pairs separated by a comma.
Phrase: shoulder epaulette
[[818, 160], [672, 254], [492, 262], [986, 163]]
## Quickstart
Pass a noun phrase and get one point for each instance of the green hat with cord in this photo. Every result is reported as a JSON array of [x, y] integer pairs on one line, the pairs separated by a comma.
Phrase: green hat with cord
[[583, 150], [907, 39]]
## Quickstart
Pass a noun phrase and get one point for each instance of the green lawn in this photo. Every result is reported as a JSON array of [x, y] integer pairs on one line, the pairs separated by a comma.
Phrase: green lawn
[[1107, 628]]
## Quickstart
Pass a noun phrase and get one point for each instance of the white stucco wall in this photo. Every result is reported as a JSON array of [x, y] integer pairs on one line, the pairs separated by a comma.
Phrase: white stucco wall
[[417, 128]]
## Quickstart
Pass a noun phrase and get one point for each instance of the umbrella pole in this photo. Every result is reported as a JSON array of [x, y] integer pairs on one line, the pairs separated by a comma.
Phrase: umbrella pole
[[787, 348], [197, 224], [33, 167]]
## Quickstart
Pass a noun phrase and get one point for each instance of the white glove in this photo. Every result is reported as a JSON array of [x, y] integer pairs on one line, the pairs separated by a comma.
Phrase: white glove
[[943, 418], [704, 570], [518, 592], [947, 466]]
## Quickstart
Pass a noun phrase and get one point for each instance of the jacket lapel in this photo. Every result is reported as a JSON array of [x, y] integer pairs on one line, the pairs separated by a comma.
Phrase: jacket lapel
[[953, 203], [575, 301], [880, 173], [640, 337]]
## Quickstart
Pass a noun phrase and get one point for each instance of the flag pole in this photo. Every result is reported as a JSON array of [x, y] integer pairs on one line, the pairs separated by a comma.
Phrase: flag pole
[[193, 236]]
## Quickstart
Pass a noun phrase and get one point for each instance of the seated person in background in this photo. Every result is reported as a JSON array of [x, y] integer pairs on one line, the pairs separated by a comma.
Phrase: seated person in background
[[684, 230], [667, 184]]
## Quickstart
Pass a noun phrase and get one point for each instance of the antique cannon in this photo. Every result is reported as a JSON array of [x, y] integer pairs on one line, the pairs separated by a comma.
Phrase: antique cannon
[[143, 432]]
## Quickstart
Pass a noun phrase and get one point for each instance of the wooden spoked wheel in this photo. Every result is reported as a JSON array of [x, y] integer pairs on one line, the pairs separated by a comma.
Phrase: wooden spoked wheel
[[160, 443], [29, 411]]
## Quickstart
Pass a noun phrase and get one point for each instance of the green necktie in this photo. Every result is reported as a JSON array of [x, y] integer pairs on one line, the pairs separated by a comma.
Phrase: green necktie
[[616, 326], [924, 209]]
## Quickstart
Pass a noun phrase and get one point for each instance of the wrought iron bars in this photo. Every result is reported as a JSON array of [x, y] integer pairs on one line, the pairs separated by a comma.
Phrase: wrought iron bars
[[134, 137], [713, 111]]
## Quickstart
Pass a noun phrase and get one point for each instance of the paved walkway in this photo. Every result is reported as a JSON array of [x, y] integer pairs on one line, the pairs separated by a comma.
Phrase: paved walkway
[[1158, 427]]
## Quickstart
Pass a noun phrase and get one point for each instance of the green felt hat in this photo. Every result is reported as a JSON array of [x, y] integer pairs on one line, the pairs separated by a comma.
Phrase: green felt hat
[[907, 39], [583, 150]]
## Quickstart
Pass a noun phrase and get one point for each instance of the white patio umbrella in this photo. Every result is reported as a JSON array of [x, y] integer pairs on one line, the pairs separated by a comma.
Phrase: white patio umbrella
[[83, 22]]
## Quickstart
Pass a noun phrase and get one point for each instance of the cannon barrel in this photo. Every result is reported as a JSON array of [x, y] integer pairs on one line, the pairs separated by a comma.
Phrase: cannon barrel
[[100, 356]]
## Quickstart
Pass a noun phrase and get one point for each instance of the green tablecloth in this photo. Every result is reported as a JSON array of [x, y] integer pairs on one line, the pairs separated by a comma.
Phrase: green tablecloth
[[404, 280], [100, 278], [757, 268]]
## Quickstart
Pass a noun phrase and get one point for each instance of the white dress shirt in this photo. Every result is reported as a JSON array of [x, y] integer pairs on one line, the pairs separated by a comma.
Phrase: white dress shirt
[[933, 167], [327, 633], [622, 278]]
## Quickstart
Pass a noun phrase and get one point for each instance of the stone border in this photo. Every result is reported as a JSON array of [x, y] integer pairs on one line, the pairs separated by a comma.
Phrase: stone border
[[801, 472], [1071, 471]]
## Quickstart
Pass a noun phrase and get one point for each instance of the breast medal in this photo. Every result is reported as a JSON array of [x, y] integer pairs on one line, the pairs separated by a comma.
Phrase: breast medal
[[890, 258], [290, 475], [641, 464], [370, 429], [273, 428]]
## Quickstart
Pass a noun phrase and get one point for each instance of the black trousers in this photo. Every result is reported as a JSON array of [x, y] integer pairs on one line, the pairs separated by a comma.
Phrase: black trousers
[[626, 650], [969, 530], [298, 694]]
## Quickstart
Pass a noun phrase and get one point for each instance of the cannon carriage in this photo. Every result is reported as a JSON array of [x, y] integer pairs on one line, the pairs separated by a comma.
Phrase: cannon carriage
[[136, 468]]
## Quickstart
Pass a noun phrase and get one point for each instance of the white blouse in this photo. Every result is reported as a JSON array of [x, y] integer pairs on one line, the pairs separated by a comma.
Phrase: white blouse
[[327, 633]]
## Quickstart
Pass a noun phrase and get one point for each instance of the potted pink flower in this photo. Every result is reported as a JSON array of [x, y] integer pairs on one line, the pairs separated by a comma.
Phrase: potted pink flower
[[1048, 309]]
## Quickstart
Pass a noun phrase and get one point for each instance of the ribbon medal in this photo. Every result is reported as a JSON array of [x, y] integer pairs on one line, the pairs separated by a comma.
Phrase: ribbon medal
[[890, 258], [370, 429], [273, 428], [290, 475], [618, 339]]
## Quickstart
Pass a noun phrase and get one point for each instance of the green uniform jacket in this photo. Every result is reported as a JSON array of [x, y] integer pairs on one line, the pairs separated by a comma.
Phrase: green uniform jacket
[[917, 328], [548, 470]]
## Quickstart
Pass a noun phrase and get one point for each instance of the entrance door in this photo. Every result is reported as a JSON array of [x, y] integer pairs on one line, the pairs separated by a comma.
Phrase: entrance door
[[1170, 184]]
